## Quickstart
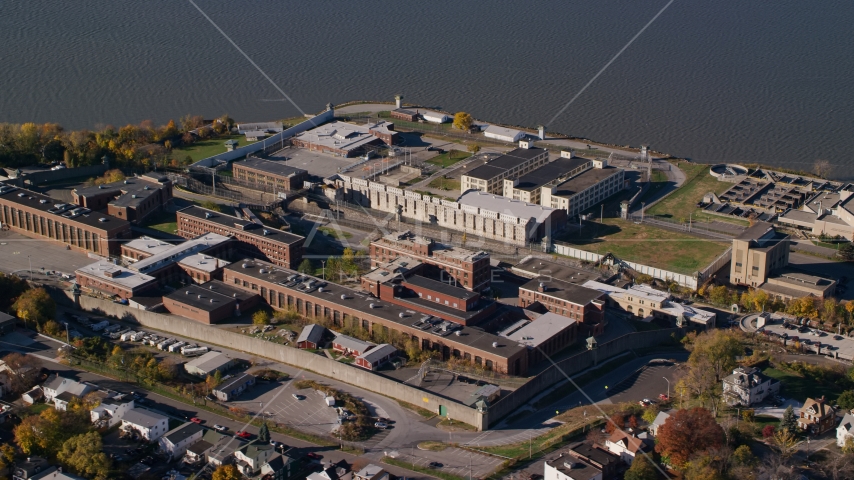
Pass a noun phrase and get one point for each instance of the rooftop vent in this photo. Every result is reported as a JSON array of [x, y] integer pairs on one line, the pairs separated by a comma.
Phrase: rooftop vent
[[100, 187], [187, 292], [200, 297], [401, 314], [133, 196], [145, 187], [320, 289], [494, 344], [245, 265], [210, 287], [42, 201], [234, 295], [263, 270], [266, 232], [372, 305], [458, 333], [126, 182], [102, 219], [208, 215]]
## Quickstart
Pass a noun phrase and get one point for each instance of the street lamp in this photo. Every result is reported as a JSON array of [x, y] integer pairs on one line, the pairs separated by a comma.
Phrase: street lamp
[[668, 387], [29, 259], [323, 263]]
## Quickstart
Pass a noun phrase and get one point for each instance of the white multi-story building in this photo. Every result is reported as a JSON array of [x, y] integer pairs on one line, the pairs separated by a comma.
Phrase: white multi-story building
[[570, 468], [175, 442], [111, 410], [490, 176], [150, 426], [747, 386]]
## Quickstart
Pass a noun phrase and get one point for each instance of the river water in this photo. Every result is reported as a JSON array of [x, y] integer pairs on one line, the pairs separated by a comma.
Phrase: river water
[[749, 81]]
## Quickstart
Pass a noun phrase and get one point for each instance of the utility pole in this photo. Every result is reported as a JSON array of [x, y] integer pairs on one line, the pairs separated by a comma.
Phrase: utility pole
[[668, 387], [323, 263], [643, 206]]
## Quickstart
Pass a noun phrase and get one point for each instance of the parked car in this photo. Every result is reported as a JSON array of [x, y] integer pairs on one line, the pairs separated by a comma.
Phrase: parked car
[[663, 397], [220, 428], [298, 397], [196, 420], [313, 456], [435, 465], [381, 425], [243, 434]]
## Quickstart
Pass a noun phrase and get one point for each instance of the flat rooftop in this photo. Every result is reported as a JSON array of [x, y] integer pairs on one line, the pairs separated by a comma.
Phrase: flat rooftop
[[570, 292], [179, 252], [584, 180], [273, 167], [151, 246], [532, 267], [131, 191], [505, 162], [231, 222], [475, 338], [505, 206], [551, 171], [341, 135], [209, 296], [441, 287], [49, 206], [539, 330], [797, 277], [756, 231], [115, 274], [205, 263], [439, 249]]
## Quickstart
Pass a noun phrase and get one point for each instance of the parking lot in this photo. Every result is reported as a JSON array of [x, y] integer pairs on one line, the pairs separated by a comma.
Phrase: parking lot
[[454, 461], [647, 383], [813, 340], [19, 253]]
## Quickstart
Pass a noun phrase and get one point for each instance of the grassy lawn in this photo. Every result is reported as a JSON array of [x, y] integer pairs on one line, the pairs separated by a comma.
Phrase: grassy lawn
[[163, 221], [648, 245], [445, 184], [209, 148], [449, 158], [331, 232], [684, 201], [799, 388]]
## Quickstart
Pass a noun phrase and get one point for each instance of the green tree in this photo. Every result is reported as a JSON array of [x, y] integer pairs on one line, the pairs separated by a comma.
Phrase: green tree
[[264, 433], [261, 317], [211, 206], [847, 251], [846, 400], [789, 422], [305, 267], [641, 469], [11, 287], [463, 121], [83, 455], [35, 306], [742, 456], [226, 472]]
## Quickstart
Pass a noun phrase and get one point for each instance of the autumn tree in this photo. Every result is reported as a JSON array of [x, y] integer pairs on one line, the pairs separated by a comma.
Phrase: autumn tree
[[803, 307], [35, 306], [474, 148], [641, 469], [687, 432], [45, 434], [7, 456], [23, 371], [616, 422], [463, 121], [110, 176], [11, 287], [712, 358], [261, 317], [785, 441], [226, 472], [83, 455], [305, 267]]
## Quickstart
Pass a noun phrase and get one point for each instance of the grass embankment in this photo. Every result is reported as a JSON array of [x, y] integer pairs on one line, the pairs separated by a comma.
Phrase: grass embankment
[[331, 232], [446, 184], [415, 408], [682, 203], [210, 147], [432, 446], [449, 158], [800, 387], [648, 245]]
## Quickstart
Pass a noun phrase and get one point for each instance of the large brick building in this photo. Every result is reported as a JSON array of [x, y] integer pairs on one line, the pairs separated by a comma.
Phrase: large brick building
[[466, 268], [269, 174], [255, 240], [286, 289], [192, 260], [212, 302], [585, 305], [114, 280], [132, 199], [39, 216]]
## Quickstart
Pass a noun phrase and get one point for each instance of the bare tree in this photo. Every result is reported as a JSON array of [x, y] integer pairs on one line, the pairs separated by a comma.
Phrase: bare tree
[[837, 467], [22, 371], [822, 168]]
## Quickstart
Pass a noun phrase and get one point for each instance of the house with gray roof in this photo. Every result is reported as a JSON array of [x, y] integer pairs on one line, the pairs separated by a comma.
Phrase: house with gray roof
[[175, 442], [311, 336]]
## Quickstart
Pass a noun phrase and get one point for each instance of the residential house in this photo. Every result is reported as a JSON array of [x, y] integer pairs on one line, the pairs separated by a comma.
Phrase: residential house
[[570, 468], [845, 430], [32, 396], [626, 445], [197, 452], [175, 442], [747, 386], [278, 467], [149, 425], [75, 391], [29, 468], [376, 357], [55, 385], [231, 387], [111, 410], [251, 457], [7, 323], [817, 416], [372, 472], [595, 456], [659, 421], [332, 472], [223, 450]]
